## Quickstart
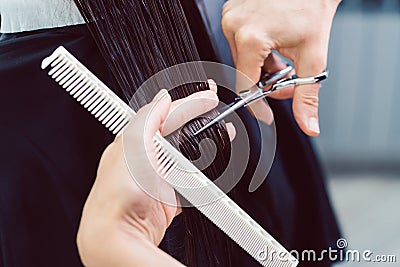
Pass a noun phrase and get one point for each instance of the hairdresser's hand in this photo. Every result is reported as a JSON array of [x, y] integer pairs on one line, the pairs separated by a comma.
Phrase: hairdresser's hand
[[188, 108], [121, 225], [298, 29]]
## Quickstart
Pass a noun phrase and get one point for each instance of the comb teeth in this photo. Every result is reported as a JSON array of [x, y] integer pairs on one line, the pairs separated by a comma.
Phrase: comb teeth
[[218, 207], [89, 91], [165, 162], [194, 186]]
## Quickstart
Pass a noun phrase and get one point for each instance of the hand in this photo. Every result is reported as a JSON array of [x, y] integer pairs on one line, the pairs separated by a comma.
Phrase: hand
[[298, 29], [121, 225]]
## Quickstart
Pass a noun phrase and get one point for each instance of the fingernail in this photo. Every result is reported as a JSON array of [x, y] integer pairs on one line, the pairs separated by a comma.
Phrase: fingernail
[[160, 95], [313, 125], [211, 82], [212, 85]]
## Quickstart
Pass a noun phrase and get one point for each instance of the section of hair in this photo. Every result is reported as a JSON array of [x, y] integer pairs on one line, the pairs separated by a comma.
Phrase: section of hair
[[139, 38], [201, 236]]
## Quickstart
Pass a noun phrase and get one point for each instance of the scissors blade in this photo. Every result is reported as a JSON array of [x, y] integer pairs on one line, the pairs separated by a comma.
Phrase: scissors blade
[[225, 113], [251, 97]]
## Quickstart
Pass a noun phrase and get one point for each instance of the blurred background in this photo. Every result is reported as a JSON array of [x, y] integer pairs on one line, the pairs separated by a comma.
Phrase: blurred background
[[360, 140], [359, 145]]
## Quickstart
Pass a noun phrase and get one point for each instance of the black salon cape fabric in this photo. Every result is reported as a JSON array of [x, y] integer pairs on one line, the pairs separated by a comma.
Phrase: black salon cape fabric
[[50, 149], [292, 204]]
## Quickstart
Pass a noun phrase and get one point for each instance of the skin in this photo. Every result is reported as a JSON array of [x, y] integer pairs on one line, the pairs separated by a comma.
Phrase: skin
[[298, 30], [121, 225]]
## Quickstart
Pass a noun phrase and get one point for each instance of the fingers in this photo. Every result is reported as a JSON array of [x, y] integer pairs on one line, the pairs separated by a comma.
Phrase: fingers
[[311, 61], [228, 25], [151, 117], [252, 50], [158, 112], [273, 64], [166, 116], [213, 85], [248, 44], [284, 93], [261, 110], [231, 131], [188, 108]]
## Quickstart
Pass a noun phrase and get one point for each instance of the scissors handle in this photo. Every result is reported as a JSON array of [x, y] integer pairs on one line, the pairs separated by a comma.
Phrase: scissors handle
[[294, 80], [256, 92], [269, 79]]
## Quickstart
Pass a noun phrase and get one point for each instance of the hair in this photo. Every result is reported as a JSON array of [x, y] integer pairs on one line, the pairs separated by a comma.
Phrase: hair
[[139, 38]]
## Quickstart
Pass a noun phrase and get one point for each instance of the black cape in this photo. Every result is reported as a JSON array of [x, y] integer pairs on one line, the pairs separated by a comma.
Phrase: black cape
[[50, 149]]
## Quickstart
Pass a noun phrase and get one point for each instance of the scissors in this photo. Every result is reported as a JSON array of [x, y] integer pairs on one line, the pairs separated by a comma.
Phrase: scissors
[[257, 92]]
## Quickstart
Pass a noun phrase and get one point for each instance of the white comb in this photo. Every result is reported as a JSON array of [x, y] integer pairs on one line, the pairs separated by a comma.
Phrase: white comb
[[187, 180], [88, 90]]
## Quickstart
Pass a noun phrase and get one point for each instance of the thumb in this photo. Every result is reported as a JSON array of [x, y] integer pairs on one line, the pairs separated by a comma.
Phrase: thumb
[[311, 62], [157, 112], [151, 117]]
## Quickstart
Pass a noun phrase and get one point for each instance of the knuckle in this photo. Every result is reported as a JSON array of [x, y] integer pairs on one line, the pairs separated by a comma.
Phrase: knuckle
[[310, 100], [226, 7], [246, 36], [229, 22], [336, 2], [320, 61]]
